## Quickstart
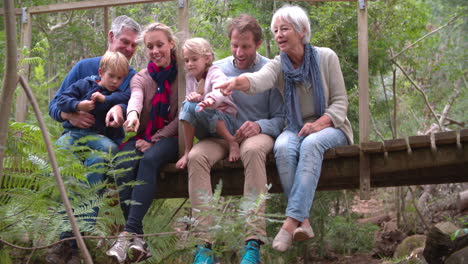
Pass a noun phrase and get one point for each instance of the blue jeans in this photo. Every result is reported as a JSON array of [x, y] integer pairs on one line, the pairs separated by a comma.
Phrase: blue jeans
[[145, 170], [97, 144], [206, 120], [299, 163]]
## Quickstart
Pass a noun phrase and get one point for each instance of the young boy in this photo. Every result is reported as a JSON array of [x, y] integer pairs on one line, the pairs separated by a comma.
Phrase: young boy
[[96, 97]]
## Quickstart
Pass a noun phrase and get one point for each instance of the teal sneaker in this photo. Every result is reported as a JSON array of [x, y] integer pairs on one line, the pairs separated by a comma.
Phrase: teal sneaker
[[251, 253], [204, 255]]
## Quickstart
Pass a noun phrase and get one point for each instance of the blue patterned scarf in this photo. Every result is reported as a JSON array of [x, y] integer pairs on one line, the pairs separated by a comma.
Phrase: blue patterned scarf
[[308, 72]]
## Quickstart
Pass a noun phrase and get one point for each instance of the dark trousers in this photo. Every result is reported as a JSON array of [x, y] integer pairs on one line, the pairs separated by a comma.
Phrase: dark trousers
[[145, 170]]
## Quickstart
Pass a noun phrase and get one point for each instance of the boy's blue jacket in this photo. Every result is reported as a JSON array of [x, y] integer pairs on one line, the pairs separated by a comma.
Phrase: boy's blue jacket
[[82, 90]]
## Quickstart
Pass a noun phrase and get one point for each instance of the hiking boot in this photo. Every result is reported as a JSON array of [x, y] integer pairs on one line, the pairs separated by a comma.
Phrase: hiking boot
[[251, 253], [139, 250], [204, 255], [59, 253], [120, 247]]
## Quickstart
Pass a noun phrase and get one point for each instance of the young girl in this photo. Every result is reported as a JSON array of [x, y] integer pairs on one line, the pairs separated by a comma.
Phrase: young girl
[[197, 119]]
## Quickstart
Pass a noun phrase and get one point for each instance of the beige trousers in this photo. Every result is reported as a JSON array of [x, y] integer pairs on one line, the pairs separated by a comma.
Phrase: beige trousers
[[205, 154]]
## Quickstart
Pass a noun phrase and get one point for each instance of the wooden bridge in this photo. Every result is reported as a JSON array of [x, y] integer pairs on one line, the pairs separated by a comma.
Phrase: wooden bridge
[[439, 158], [432, 159]]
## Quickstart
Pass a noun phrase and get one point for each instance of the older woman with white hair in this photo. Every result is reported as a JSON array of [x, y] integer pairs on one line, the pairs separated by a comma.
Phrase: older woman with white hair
[[312, 85]]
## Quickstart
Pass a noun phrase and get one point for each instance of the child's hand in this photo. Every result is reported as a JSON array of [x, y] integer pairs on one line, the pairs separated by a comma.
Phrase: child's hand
[[85, 105], [208, 102], [98, 97], [193, 97]]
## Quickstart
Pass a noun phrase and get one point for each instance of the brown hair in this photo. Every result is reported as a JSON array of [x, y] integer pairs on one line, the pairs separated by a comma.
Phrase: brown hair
[[115, 62], [244, 23]]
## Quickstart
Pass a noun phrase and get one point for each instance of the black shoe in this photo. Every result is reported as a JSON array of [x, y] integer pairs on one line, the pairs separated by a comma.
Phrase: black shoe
[[74, 257]]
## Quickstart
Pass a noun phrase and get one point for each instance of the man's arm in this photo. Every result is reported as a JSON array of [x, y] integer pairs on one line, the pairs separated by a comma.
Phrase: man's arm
[[70, 79], [82, 69], [68, 100]]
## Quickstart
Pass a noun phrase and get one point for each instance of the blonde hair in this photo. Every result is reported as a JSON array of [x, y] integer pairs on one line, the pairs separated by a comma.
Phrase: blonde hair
[[165, 29], [201, 47], [115, 62]]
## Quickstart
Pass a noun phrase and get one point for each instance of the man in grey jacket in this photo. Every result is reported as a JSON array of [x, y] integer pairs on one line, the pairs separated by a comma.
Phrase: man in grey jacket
[[262, 119]]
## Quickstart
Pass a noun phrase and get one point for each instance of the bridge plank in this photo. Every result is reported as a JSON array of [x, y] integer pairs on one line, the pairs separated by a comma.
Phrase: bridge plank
[[447, 165], [448, 137], [395, 144], [419, 141], [347, 151], [372, 147]]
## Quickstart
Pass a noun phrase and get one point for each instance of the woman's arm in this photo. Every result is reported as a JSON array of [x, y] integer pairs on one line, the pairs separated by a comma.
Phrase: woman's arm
[[135, 103], [254, 82], [137, 85], [338, 99], [240, 83]]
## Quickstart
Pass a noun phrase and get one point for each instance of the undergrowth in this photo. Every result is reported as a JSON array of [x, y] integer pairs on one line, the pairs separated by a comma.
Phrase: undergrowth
[[33, 215]]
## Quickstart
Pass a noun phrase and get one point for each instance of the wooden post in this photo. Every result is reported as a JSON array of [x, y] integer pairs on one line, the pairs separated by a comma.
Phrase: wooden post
[[364, 167], [184, 34], [22, 100], [106, 26]]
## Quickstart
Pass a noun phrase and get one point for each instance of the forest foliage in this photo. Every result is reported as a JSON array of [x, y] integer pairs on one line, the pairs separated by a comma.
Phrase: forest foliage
[[435, 66]]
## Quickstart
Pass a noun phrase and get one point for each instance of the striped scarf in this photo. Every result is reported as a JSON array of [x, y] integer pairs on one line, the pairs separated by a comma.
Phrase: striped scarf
[[160, 106]]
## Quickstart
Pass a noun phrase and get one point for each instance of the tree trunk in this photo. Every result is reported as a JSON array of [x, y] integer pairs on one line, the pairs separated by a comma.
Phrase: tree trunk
[[10, 79], [462, 200], [378, 220]]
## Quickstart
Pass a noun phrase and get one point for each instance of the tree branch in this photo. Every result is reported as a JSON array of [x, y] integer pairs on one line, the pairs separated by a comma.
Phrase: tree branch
[[395, 105], [426, 100], [58, 177], [450, 121], [386, 103], [374, 126], [61, 24], [427, 35], [426, 227], [448, 106], [84, 237]]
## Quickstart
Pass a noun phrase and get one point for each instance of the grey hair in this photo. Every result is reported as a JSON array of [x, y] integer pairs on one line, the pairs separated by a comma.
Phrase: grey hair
[[297, 17], [121, 22]]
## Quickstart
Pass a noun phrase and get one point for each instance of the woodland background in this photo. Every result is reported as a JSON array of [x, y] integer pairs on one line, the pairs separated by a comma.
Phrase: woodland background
[[434, 67]]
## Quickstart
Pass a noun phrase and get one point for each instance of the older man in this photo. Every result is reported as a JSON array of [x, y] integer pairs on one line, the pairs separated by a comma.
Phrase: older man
[[122, 38], [262, 119]]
